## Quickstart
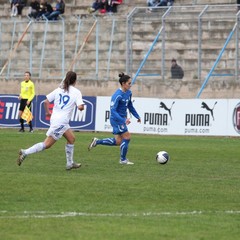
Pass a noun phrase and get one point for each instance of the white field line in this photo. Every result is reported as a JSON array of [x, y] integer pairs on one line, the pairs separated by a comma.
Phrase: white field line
[[44, 214]]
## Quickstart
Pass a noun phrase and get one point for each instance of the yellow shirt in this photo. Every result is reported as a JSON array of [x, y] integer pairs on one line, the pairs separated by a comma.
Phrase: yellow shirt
[[27, 90]]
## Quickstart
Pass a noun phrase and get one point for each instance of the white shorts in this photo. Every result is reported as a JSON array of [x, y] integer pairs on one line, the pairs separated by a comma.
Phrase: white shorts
[[57, 131]]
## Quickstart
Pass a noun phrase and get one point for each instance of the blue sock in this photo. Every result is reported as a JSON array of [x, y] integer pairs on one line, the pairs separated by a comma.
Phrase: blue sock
[[107, 141], [124, 149]]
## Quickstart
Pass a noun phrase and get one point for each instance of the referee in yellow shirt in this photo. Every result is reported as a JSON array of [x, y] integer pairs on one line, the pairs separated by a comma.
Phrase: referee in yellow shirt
[[26, 96]]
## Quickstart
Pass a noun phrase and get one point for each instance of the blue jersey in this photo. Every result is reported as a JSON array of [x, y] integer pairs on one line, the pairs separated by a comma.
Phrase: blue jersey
[[120, 102]]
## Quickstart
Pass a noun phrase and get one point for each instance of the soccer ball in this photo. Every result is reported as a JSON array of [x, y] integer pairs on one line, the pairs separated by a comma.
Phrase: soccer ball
[[162, 157]]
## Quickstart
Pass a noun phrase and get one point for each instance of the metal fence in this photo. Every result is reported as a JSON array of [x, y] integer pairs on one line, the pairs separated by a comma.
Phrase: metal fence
[[200, 37], [94, 47]]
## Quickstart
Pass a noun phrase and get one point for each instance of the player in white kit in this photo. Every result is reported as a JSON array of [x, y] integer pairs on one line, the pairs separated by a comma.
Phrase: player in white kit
[[65, 98]]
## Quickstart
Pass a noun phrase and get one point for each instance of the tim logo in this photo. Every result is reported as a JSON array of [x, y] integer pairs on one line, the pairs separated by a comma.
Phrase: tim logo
[[79, 119], [9, 106], [204, 105], [236, 118], [169, 110]]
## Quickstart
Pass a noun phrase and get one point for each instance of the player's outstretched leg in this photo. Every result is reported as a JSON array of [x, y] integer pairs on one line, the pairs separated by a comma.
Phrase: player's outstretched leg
[[38, 147], [21, 157], [105, 141], [92, 144]]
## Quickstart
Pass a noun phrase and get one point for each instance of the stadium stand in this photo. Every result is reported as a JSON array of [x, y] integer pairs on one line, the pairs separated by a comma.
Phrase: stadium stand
[[47, 44], [78, 7]]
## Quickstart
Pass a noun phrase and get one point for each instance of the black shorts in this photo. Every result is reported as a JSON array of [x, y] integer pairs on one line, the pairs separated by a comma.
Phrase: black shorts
[[23, 103]]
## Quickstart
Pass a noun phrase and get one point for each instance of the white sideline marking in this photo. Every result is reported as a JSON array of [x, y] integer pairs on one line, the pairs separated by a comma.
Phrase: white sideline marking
[[44, 214]]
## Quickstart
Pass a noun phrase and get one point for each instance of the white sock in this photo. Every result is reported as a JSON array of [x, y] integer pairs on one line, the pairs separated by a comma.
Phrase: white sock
[[15, 11], [35, 148], [69, 150]]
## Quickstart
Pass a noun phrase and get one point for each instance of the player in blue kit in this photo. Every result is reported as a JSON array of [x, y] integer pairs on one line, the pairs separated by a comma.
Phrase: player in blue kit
[[120, 103]]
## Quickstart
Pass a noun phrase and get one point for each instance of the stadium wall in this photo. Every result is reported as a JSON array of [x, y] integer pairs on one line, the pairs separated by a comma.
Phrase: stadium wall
[[170, 88]]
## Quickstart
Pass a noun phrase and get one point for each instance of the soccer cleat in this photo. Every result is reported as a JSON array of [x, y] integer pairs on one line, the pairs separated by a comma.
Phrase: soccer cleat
[[21, 130], [31, 130], [73, 166], [92, 144], [126, 162], [21, 157]]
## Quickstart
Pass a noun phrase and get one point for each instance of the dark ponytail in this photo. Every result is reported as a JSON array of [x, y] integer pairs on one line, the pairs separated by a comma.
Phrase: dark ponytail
[[123, 78], [70, 79]]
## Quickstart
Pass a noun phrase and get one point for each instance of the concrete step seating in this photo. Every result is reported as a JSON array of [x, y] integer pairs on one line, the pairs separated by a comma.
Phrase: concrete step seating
[[181, 39], [79, 7]]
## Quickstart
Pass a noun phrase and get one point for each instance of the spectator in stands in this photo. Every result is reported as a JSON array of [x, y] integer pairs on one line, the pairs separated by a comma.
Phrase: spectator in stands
[[34, 8], [16, 7], [100, 5], [162, 3], [14, 10], [57, 10], [112, 5], [170, 2], [45, 9], [176, 70], [159, 3], [152, 3], [49, 8]]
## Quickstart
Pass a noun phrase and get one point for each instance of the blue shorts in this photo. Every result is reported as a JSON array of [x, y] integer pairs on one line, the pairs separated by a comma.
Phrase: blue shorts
[[118, 129]]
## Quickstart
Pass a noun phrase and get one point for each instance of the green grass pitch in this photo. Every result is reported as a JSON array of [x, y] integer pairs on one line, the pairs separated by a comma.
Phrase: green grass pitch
[[196, 195]]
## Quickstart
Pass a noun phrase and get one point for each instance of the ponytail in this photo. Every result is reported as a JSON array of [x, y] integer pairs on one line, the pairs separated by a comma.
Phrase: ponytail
[[70, 79]]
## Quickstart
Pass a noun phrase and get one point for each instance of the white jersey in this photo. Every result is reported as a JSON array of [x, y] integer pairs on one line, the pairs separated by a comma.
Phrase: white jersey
[[64, 104]]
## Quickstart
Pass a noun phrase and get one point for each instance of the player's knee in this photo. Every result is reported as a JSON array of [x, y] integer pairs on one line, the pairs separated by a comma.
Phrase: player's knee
[[118, 142], [126, 135]]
